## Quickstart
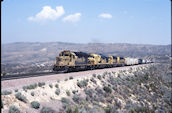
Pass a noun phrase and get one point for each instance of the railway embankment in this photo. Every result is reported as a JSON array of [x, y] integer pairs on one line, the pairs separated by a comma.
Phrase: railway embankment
[[140, 88], [18, 83]]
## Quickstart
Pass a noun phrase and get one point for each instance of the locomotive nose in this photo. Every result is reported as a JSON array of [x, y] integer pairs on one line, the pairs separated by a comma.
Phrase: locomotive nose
[[58, 60]]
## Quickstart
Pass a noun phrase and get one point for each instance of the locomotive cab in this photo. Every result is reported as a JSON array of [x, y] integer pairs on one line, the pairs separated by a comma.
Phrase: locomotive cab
[[66, 58]]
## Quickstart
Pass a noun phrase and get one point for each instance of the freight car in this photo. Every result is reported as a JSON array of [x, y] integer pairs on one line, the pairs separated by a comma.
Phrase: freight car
[[131, 61], [76, 61]]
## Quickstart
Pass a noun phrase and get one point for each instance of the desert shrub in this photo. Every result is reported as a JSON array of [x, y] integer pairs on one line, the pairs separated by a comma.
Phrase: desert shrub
[[47, 110], [70, 77], [74, 110], [24, 88], [93, 80], [127, 79], [105, 73], [99, 77], [69, 110], [57, 91], [95, 109], [114, 87], [31, 86], [107, 89], [32, 93], [120, 71], [35, 104], [13, 109], [16, 90], [146, 77], [101, 99], [21, 97], [66, 79], [103, 76], [76, 98], [132, 111], [113, 72], [109, 85], [89, 92], [95, 98], [88, 98], [74, 91], [110, 109], [50, 85], [57, 86], [84, 109], [111, 80], [94, 75], [64, 105], [65, 100], [82, 83], [6, 92], [109, 100], [141, 110], [68, 93], [99, 91], [40, 84], [109, 73]]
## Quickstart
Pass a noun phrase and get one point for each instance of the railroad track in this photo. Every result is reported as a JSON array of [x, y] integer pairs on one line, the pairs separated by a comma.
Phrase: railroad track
[[19, 76], [10, 77]]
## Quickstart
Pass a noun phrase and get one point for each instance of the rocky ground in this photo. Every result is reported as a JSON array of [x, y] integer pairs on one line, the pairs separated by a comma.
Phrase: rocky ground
[[136, 89]]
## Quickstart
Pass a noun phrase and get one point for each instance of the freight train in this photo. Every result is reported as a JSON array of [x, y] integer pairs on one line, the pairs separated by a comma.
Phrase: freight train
[[69, 61]]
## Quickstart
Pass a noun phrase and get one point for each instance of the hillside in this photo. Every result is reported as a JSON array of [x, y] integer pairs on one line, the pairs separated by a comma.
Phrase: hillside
[[137, 89], [41, 52], [16, 56]]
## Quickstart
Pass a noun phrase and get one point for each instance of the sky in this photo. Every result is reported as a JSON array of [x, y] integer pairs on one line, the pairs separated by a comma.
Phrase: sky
[[86, 21]]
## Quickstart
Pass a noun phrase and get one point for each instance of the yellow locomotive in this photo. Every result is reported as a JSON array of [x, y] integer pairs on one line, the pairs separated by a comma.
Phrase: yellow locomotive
[[76, 61]]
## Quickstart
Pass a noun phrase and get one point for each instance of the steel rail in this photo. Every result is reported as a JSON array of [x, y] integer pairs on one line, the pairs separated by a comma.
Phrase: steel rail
[[18, 76]]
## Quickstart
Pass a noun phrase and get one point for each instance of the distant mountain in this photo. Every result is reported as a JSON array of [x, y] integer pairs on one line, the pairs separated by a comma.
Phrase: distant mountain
[[18, 58], [28, 53]]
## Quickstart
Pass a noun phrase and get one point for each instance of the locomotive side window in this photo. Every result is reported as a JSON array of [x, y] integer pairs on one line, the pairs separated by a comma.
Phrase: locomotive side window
[[70, 57], [65, 55]]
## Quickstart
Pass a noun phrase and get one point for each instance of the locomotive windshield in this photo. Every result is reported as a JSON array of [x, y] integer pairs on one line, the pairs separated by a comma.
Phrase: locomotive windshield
[[64, 54]]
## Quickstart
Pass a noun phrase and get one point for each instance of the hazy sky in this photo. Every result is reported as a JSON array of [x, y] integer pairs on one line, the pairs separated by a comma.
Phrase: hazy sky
[[85, 21]]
